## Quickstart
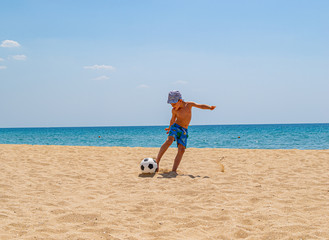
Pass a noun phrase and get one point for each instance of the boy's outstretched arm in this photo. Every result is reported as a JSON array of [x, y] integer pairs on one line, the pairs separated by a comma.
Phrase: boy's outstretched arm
[[202, 106]]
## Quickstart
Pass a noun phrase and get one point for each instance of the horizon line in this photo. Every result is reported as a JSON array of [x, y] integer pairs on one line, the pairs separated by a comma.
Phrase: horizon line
[[160, 125]]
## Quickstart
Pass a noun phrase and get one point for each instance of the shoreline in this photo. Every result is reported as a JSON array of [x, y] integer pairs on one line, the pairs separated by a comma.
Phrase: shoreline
[[82, 192]]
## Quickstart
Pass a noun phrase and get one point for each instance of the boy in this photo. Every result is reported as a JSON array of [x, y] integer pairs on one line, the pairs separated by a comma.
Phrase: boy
[[180, 120]]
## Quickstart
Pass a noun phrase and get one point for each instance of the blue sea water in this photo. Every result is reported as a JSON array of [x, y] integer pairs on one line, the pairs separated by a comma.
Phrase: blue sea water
[[269, 136]]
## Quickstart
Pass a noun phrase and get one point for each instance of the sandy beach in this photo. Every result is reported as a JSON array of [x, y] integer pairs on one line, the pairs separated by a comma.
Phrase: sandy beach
[[63, 192]]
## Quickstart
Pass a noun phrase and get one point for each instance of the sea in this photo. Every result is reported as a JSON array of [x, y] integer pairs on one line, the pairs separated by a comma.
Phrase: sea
[[267, 136]]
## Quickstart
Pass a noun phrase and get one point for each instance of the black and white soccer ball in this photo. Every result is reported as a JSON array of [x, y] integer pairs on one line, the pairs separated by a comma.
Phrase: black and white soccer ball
[[148, 165]]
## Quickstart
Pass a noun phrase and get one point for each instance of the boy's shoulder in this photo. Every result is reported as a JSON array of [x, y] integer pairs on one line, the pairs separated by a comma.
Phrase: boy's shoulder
[[191, 104]]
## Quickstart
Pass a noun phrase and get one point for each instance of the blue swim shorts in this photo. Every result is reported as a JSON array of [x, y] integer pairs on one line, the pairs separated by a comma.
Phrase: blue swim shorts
[[179, 133]]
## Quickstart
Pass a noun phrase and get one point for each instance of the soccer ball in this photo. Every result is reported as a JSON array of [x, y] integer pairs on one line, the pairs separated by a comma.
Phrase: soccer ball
[[148, 165]]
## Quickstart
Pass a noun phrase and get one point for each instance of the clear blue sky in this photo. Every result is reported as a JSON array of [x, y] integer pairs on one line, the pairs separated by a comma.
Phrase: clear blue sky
[[109, 63]]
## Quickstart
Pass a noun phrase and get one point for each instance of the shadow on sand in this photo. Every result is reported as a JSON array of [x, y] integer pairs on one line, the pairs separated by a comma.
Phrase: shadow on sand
[[146, 175], [169, 174], [174, 175]]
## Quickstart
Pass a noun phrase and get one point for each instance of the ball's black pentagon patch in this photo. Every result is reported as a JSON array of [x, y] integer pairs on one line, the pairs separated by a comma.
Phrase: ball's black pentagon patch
[[142, 167], [154, 161], [145, 160], [150, 166]]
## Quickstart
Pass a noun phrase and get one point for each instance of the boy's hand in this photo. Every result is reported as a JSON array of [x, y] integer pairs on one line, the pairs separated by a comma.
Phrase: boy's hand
[[212, 107], [167, 129]]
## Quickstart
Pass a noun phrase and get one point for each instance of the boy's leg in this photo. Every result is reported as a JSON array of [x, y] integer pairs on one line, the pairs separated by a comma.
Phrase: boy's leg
[[164, 148], [181, 150]]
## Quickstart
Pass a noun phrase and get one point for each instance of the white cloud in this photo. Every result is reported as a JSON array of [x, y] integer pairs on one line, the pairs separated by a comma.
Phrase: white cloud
[[181, 82], [101, 78], [3, 67], [143, 86], [1, 59], [99, 67], [19, 57], [9, 44]]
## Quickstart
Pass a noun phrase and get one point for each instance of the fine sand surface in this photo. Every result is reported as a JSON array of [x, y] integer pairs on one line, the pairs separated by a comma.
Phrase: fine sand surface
[[63, 192]]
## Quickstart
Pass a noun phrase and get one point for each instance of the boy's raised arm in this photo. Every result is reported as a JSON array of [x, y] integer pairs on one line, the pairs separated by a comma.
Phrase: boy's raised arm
[[202, 106]]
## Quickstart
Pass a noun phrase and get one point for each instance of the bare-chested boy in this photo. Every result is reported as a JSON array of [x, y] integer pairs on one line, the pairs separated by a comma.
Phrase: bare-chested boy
[[180, 120]]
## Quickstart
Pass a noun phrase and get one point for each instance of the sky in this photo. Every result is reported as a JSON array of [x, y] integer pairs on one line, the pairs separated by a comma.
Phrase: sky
[[112, 63]]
